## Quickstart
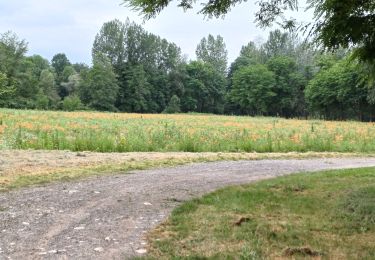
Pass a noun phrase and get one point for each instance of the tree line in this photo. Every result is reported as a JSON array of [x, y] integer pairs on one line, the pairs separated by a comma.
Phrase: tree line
[[136, 71]]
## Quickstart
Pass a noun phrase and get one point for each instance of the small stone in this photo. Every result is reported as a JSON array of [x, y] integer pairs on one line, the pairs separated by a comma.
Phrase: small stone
[[107, 239], [147, 204], [12, 244], [81, 155], [141, 251], [25, 223], [72, 191], [99, 249], [52, 251], [42, 253], [79, 228]]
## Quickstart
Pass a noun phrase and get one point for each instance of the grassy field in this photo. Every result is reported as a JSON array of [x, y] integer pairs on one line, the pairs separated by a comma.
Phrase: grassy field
[[329, 215], [111, 132]]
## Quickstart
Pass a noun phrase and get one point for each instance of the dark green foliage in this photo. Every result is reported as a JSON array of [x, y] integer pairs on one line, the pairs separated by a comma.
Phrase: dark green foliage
[[7, 89], [48, 87], [59, 62], [143, 63], [174, 106], [346, 24], [136, 71], [72, 103], [289, 87], [134, 93], [337, 92], [63, 70], [101, 86], [42, 102], [253, 89], [204, 89]]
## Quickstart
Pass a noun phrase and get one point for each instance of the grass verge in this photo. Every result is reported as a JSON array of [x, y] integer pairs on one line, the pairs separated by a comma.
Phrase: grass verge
[[329, 215], [24, 176]]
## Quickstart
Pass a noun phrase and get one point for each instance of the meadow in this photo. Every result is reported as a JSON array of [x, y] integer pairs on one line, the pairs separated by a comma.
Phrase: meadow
[[120, 132]]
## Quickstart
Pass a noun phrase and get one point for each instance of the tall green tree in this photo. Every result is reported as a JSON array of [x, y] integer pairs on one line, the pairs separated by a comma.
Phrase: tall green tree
[[100, 86], [60, 62], [174, 105], [278, 44], [337, 92], [289, 87], [111, 41], [48, 86], [204, 89], [12, 52], [253, 89], [7, 90], [213, 51], [134, 94]]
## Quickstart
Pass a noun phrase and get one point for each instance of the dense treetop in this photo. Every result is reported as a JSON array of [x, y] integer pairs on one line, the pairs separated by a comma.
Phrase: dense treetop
[[136, 71]]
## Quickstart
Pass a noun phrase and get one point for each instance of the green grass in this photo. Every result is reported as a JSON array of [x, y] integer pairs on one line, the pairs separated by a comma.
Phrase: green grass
[[329, 215], [120, 132]]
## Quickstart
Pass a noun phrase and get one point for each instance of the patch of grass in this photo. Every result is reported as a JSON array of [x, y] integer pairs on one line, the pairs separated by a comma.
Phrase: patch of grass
[[19, 181], [328, 215], [358, 207], [121, 132], [24, 179]]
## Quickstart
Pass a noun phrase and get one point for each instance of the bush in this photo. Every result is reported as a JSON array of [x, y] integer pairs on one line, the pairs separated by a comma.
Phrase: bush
[[72, 103], [173, 106]]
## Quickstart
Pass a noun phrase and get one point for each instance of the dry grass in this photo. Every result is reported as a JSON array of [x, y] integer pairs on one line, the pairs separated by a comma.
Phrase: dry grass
[[25, 167], [120, 132]]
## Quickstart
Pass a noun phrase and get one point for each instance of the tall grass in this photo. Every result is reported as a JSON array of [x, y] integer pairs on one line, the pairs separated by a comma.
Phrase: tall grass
[[111, 132]]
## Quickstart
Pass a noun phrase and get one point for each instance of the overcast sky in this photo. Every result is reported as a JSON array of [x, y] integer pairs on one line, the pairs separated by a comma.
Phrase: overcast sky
[[70, 26]]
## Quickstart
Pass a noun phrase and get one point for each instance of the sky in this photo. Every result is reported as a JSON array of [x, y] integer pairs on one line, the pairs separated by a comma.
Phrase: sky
[[70, 26]]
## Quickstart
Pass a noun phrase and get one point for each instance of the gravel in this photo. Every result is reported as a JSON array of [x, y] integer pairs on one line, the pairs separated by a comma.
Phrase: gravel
[[107, 217]]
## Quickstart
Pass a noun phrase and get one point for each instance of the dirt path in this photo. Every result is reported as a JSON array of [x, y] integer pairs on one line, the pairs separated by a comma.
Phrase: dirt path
[[107, 217]]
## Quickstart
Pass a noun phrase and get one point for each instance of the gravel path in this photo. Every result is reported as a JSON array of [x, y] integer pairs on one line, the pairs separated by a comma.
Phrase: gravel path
[[107, 217]]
